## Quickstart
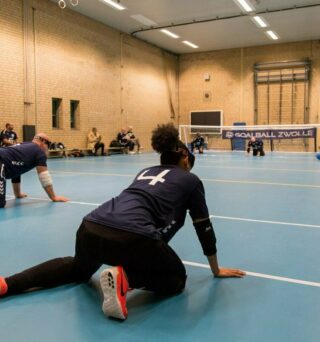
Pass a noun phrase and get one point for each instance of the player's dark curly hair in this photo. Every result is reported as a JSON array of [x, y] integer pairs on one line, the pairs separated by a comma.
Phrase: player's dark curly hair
[[165, 140]]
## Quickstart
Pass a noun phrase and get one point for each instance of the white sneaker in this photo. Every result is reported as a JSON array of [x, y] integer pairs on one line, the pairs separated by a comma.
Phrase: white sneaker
[[114, 286]]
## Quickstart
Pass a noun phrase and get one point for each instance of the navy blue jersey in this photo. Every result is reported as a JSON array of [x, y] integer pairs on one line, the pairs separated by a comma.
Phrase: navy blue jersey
[[10, 135], [256, 145], [21, 158], [155, 204]]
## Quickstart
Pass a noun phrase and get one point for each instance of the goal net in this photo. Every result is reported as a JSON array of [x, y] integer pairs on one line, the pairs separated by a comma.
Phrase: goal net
[[283, 138]]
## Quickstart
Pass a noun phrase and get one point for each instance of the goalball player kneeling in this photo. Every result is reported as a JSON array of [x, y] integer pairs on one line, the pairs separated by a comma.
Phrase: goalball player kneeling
[[21, 158], [131, 232]]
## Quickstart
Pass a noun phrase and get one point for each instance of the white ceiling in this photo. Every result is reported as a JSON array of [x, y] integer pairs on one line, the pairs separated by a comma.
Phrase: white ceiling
[[292, 20]]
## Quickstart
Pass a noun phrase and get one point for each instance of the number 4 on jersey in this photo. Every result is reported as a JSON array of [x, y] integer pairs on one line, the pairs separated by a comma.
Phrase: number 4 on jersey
[[154, 179]]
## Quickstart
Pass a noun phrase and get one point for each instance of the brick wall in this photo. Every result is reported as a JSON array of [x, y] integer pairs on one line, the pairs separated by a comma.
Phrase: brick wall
[[118, 80], [231, 87], [11, 61]]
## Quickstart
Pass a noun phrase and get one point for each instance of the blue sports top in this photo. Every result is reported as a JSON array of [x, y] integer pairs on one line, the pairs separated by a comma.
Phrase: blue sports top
[[155, 204], [21, 158], [256, 145]]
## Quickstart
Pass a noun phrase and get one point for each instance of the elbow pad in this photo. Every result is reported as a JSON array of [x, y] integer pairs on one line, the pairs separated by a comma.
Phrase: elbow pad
[[45, 179], [206, 237]]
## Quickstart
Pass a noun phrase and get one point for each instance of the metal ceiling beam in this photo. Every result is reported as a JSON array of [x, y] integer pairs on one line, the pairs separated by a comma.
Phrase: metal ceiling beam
[[218, 18]]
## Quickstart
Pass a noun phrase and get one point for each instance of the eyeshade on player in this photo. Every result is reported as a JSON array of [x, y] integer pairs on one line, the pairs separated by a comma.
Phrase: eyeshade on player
[[21, 158]]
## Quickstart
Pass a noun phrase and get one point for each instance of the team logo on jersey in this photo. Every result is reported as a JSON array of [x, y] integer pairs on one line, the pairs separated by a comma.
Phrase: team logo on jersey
[[17, 163], [154, 179]]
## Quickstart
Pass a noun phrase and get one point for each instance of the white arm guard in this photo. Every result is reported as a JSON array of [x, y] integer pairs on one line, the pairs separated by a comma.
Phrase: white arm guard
[[45, 178]]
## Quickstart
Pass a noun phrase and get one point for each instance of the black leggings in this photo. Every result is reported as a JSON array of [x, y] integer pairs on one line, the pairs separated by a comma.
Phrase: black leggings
[[97, 146], [148, 263], [3, 185], [260, 151]]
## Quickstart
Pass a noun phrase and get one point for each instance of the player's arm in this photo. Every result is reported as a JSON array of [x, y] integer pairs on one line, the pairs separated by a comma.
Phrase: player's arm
[[16, 186], [7, 142], [249, 145], [15, 139], [46, 182], [207, 239]]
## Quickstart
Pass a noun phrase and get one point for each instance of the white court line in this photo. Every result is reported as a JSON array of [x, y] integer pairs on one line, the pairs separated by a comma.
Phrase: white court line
[[48, 200], [203, 179], [93, 173], [273, 155], [265, 221], [112, 163], [258, 168], [261, 275], [253, 274], [260, 183], [10, 197]]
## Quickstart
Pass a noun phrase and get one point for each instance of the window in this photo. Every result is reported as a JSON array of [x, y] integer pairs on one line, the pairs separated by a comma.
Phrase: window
[[74, 114], [282, 92], [56, 112]]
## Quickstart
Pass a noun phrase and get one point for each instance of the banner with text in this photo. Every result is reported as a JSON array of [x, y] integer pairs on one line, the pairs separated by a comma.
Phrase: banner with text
[[270, 133]]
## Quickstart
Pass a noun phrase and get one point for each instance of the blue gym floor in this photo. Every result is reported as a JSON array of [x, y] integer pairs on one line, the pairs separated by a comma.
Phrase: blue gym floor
[[266, 217]]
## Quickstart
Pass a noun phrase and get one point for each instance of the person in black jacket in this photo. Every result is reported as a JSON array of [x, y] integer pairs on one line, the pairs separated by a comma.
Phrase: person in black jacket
[[132, 231], [198, 143], [257, 146], [8, 136], [124, 139]]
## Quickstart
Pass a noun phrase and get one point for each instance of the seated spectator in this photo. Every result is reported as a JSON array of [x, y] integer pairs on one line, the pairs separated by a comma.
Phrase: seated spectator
[[124, 139], [133, 138], [94, 142], [8, 137], [257, 146], [198, 143]]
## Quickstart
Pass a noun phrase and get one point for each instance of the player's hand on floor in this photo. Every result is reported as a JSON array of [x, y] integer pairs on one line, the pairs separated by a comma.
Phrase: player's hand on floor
[[230, 272], [60, 199]]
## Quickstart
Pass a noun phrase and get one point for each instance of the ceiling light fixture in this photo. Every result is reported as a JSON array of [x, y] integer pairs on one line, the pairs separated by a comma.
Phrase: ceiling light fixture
[[62, 3], [169, 33], [245, 5], [114, 4], [272, 35], [259, 21], [190, 44]]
